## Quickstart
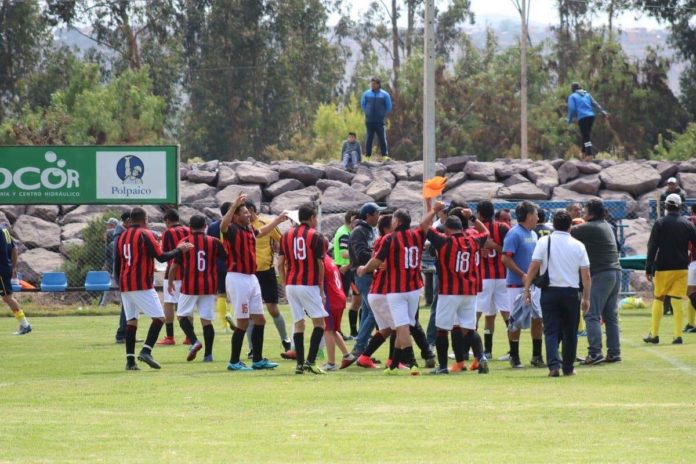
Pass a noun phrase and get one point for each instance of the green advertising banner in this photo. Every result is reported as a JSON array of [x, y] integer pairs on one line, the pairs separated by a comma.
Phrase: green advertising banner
[[78, 175]]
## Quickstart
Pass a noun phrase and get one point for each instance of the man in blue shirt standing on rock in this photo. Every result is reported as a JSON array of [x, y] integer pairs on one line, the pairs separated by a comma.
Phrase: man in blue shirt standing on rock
[[376, 104], [581, 107]]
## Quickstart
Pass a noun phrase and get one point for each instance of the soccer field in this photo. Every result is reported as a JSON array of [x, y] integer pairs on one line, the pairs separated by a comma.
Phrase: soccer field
[[67, 398]]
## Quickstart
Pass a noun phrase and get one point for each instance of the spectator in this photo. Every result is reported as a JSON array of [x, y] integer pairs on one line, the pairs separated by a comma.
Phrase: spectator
[[118, 230], [542, 229], [8, 274], [667, 263], [580, 107], [575, 211], [565, 259], [598, 237], [351, 152], [109, 239], [376, 104], [672, 187], [504, 216], [342, 260]]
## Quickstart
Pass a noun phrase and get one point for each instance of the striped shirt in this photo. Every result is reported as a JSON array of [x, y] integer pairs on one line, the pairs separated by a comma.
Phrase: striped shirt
[[402, 251]]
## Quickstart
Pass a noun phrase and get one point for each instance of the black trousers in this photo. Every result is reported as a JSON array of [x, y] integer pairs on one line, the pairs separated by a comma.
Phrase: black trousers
[[585, 131], [372, 130], [560, 308]]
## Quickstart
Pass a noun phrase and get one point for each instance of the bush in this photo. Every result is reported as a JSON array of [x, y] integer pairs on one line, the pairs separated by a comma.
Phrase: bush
[[682, 147]]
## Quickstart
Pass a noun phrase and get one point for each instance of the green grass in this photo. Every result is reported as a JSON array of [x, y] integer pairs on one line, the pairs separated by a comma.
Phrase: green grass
[[67, 399]]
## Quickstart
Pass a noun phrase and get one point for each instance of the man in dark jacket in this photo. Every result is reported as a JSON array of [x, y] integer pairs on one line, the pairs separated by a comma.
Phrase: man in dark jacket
[[360, 250], [581, 107], [376, 104]]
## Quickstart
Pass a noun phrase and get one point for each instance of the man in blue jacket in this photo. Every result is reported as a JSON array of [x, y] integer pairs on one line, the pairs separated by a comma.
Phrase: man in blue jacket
[[376, 103], [581, 107]]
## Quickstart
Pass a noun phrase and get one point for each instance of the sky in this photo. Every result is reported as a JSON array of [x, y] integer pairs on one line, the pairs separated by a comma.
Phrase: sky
[[543, 12]]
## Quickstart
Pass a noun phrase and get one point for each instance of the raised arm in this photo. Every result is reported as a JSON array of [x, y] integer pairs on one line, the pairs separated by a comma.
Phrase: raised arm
[[427, 220], [268, 228], [227, 218]]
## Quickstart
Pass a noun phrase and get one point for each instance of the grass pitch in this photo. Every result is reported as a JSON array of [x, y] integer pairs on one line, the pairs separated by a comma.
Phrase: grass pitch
[[67, 398]]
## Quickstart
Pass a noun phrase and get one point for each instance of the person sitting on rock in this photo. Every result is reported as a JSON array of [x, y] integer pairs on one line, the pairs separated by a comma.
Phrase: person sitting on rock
[[351, 152]]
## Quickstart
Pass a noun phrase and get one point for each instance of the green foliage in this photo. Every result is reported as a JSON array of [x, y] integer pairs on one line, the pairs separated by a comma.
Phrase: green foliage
[[682, 147], [91, 254]]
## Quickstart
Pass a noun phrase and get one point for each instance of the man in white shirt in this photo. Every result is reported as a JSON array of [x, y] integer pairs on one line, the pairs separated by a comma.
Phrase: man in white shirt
[[560, 301]]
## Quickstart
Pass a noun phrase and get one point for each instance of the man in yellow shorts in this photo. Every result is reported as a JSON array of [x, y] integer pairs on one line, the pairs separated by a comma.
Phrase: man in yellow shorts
[[667, 264]]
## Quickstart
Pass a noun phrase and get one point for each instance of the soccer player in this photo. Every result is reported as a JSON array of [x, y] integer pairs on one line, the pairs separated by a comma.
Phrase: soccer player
[[401, 251], [335, 305], [301, 266], [171, 237], [8, 271], [493, 298], [198, 268], [342, 260], [133, 264], [458, 286], [224, 318], [518, 248], [266, 274]]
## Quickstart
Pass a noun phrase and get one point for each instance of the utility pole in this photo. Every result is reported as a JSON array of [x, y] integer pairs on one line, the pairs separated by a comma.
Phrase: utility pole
[[523, 8], [429, 92]]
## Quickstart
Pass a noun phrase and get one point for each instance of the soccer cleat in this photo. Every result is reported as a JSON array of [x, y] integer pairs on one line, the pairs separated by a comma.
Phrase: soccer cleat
[[287, 346], [677, 341], [692, 330], [582, 333], [430, 362], [328, 367], [367, 363], [554, 373], [688, 328], [375, 360], [488, 355], [348, 360], [290, 354], [149, 360], [167, 341], [132, 367], [458, 367], [483, 366], [505, 357], [193, 351], [347, 338], [414, 371], [612, 359], [250, 354], [187, 341], [238, 366], [474, 365], [439, 371], [312, 368], [538, 361], [263, 364], [593, 360], [230, 322], [651, 339], [208, 359], [299, 369], [23, 330], [120, 341], [515, 362]]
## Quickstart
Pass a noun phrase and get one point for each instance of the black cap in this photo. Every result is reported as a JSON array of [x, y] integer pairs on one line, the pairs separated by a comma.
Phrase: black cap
[[125, 216], [453, 223], [370, 208]]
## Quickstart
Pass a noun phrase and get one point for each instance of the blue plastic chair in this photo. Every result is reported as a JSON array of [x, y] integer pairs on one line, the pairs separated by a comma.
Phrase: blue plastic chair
[[16, 288], [98, 281], [54, 282]]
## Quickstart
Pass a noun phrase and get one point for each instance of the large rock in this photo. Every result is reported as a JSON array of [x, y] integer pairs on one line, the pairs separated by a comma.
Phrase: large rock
[[407, 195], [687, 181], [507, 168], [666, 170], [589, 185], [86, 213], [643, 210], [199, 176], [378, 190], [294, 199], [686, 166], [456, 163], [282, 186], [66, 246], [73, 231], [563, 194], [46, 212], [33, 262], [472, 191], [154, 214], [323, 184], [400, 171], [197, 195], [415, 170], [631, 203], [37, 233], [341, 199], [226, 176], [329, 224], [636, 236], [384, 175], [632, 177], [231, 192], [308, 175], [568, 171], [455, 180], [544, 175], [13, 211], [522, 191], [256, 174], [480, 171], [211, 166], [339, 174], [213, 214], [586, 167], [515, 179], [186, 213], [362, 178]]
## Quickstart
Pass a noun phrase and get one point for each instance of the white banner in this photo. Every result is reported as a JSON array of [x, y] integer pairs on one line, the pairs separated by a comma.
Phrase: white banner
[[131, 174]]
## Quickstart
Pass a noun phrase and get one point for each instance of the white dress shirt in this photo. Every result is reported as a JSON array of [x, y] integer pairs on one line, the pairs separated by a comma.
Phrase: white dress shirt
[[568, 256]]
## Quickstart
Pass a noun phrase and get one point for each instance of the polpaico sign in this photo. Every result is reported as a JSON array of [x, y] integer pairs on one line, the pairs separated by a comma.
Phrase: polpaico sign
[[76, 175]]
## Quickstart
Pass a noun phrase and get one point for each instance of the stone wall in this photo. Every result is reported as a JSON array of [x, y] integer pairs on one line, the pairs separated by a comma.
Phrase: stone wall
[[43, 231]]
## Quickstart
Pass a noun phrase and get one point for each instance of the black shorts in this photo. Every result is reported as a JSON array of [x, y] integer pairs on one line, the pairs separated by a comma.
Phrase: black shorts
[[347, 280], [269, 285], [5, 283], [222, 275]]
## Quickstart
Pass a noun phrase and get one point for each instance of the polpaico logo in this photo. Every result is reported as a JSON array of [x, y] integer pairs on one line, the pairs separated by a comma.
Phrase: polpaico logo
[[50, 180], [130, 175]]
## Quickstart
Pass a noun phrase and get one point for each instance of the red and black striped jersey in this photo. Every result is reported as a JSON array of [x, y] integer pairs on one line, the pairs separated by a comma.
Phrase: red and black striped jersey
[[402, 251], [136, 249], [199, 265], [240, 244], [492, 266], [457, 259], [170, 239], [379, 277], [302, 248]]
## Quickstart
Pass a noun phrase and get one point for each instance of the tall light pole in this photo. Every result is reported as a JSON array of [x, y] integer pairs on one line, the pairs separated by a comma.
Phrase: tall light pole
[[429, 92], [523, 8]]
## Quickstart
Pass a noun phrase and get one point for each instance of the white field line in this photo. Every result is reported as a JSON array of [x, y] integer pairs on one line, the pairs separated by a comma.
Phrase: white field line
[[655, 352]]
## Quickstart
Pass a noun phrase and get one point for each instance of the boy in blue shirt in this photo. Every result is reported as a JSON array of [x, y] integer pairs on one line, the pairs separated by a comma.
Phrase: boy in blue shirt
[[581, 107], [8, 272]]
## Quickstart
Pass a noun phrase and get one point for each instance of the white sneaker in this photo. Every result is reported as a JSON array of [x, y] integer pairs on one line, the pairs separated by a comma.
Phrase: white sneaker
[[505, 357], [329, 367]]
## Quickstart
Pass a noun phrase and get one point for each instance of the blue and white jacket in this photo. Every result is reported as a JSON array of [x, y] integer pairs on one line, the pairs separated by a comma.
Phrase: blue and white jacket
[[376, 105]]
